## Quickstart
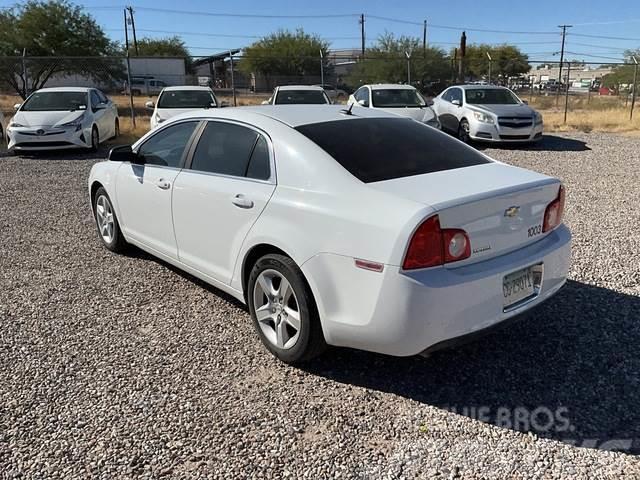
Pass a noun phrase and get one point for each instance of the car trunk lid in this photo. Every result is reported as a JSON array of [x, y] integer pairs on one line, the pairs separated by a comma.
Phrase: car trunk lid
[[499, 206]]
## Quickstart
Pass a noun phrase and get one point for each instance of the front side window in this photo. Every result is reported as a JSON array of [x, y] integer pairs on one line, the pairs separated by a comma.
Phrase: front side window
[[456, 94], [490, 96], [396, 98], [95, 100], [363, 94], [167, 146], [305, 97], [378, 149], [186, 99], [230, 149], [55, 101]]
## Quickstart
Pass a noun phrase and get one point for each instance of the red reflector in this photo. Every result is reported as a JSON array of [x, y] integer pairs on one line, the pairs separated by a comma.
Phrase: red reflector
[[554, 212], [367, 265]]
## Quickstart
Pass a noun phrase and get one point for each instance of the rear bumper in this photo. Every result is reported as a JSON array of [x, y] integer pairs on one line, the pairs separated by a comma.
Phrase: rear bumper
[[405, 313]]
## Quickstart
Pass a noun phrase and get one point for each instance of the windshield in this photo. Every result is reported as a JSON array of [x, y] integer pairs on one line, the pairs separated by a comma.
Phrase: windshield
[[291, 97], [55, 101], [397, 98], [491, 96], [186, 99], [378, 149]]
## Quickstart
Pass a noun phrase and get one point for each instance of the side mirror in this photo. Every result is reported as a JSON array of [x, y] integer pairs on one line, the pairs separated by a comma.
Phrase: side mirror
[[150, 105], [17, 106], [123, 153], [362, 103], [456, 102]]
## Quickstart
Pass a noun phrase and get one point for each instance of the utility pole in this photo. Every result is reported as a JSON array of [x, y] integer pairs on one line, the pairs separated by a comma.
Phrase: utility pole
[[133, 28], [321, 69], [564, 34], [424, 39], [233, 82], [490, 60], [566, 93], [463, 51], [128, 63], [362, 32], [635, 85]]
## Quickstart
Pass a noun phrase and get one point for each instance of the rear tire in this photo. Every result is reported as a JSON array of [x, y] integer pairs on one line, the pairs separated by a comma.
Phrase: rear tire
[[107, 222], [283, 310]]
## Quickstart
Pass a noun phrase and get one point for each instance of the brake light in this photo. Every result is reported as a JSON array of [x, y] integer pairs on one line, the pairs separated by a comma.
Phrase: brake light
[[431, 245], [553, 213]]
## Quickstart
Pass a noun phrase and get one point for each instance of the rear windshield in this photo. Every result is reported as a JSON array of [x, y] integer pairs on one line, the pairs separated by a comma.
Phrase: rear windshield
[[186, 99], [396, 98], [377, 149], [291, 97]]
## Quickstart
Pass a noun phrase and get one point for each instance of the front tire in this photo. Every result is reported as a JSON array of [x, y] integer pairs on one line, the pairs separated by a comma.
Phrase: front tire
[[283, 310], [95, 139], [463, 131], [107, 222], [116, 129]]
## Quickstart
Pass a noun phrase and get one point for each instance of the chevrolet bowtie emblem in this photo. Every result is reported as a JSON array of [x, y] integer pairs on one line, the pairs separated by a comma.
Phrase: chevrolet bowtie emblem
[[512, 212]]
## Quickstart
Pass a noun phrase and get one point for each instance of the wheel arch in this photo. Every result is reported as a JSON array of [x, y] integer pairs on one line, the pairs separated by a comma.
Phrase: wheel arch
[[95, 185], [251, 257]]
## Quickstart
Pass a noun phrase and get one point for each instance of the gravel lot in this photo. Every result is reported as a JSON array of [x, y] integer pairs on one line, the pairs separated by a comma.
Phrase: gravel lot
[[121, 367]]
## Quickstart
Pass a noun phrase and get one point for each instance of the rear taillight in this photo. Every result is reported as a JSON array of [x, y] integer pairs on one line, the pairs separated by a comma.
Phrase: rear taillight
[[553, 213], [431, 245]]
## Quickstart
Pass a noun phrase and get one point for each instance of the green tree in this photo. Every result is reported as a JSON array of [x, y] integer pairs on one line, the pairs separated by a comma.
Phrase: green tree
[[622, 74], [387, 61], [284, 53], [53, 29], [507, 61]]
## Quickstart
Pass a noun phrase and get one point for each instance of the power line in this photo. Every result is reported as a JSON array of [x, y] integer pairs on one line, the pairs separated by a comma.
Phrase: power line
[[604, 37], [242, 15], [449, 27], [222, 35]]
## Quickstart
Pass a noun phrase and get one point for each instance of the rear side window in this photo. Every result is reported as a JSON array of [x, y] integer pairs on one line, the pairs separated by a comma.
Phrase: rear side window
[[230, 149], [378, 149]]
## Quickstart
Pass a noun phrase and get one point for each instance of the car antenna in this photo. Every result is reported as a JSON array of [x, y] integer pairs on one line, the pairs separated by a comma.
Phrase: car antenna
[[347, 111]]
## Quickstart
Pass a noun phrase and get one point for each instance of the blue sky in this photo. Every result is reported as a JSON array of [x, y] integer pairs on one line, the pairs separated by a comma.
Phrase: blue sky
[[614, 18]]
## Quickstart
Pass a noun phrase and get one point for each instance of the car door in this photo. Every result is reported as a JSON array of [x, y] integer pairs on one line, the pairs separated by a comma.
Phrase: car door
[[447, 111], [220, 194], [144, 191], [110, 115], [100, 115]]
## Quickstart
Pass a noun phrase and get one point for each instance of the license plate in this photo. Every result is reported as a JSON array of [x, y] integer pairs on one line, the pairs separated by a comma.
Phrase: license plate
[[518, 286]]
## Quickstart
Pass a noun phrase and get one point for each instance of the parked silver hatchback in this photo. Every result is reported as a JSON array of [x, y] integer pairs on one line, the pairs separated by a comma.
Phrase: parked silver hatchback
[[487, 113]]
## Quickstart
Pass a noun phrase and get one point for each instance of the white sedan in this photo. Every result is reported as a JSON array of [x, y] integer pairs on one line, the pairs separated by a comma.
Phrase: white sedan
[[357, 229], [60, 118], [298, 95], [173, 101], [403, 100]]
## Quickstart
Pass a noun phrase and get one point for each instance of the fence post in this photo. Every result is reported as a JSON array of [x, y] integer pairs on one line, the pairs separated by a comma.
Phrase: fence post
[[233, 82], [321, 69], [133, 111], [24, 72], [566, 94], [635, 84]]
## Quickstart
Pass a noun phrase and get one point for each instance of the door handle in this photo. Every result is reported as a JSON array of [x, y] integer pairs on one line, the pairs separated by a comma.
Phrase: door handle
[[242, 201], [163, 184]]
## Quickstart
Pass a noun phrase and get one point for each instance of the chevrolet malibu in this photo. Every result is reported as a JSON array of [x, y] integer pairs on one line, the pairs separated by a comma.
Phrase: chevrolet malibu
[[487, 113], [60, 118], [346, 227]]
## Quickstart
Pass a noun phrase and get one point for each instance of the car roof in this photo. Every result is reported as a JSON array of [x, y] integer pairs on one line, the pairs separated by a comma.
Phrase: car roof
[[291, 115], [300, 87], [186, 87], [468, 87], [65, 89], [389, 86]]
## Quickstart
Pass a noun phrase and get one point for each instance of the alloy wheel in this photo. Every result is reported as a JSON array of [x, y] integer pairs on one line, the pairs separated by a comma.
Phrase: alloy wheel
[[277, 309], [104, 218]]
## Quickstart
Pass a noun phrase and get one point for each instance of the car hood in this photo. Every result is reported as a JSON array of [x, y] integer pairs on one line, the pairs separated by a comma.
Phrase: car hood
[[46, 119], [505, 110], [423, 114], [167, 113]]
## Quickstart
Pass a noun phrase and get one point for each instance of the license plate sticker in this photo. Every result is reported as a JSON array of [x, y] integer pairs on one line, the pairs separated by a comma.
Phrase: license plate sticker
[[518, 286]]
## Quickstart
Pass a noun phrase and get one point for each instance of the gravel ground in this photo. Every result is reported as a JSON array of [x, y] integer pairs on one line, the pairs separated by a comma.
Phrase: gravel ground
[[121, 367]]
